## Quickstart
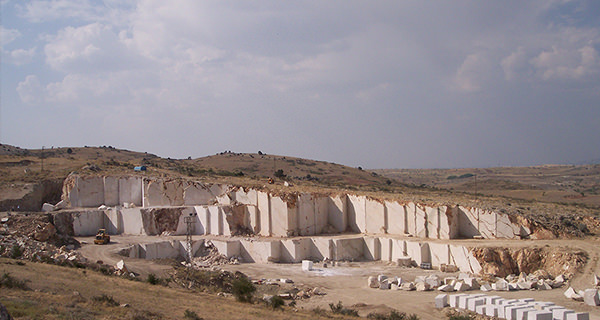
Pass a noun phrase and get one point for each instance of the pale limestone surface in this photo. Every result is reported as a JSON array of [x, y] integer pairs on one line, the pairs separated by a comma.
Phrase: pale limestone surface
[[418, 251], [87, 223], [306, 215], [349, 249], [375, 217], [373, 248], [322, 248], [396, 216], [260, 251], [337, 215], [420, 222], [264, 209], [228, 248], [440, 253], [283, 218], [356, 206], [411, 221], [433, 222], [295, 250]]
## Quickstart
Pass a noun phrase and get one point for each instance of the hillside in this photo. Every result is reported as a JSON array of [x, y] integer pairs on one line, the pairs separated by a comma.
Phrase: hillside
[[572, 184]]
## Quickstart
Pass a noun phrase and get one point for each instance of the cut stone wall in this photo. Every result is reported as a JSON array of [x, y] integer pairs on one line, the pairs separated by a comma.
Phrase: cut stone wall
[[286, 215]]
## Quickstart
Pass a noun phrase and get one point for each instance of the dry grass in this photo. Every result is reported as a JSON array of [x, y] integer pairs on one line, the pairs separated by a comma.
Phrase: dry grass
[[64, 293]]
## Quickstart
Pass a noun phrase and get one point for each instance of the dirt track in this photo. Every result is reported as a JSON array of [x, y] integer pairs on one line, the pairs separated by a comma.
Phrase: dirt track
[[348, 281]]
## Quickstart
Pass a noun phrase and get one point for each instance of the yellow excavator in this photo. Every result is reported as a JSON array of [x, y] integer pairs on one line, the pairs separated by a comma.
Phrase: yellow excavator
[[102, 237]]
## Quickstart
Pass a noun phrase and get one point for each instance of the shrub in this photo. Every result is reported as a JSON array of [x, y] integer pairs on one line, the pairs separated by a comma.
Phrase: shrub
[[339, 309], [319, 311], [153, 279], [10, 282], [108, 300], [242, 289], [69, 151], [16, 252], [459, 317], [279, 173], [189, 314], [276, 302]]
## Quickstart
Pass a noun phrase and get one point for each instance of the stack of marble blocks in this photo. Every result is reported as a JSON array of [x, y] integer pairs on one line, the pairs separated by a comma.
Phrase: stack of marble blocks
[[510, 309]]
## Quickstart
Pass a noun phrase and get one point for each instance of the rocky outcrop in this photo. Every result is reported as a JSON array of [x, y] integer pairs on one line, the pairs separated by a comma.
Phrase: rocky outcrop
[[30, 197], [501, 262]]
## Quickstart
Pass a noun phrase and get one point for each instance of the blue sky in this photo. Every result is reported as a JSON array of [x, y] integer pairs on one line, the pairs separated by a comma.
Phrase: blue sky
[[377, 84]]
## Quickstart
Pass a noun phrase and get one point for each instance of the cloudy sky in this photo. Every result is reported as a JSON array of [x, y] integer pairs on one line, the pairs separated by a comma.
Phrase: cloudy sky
[[380, 84]]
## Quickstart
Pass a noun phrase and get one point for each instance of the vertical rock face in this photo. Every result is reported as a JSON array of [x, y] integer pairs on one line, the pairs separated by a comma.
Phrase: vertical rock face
[[290, 214], [504, 261]]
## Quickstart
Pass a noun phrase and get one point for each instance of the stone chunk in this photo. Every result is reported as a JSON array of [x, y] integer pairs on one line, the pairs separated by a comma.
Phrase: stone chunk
[[422, 286], [486, 287], [578, 316], [441, 301], [571, 294], [307, 265], [372, 282], [539, 315], [590, 297], [500, 285], [461, 286], [446, 288], [407, 286]]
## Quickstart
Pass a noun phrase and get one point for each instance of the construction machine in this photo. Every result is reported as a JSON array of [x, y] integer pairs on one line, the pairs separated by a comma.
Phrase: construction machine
[[102, 237]]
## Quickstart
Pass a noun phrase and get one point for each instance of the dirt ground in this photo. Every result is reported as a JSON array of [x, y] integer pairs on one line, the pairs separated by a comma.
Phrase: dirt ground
[[347, 281]]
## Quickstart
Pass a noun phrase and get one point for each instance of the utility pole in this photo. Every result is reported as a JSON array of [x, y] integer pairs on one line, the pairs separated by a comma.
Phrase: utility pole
[[42, 157]]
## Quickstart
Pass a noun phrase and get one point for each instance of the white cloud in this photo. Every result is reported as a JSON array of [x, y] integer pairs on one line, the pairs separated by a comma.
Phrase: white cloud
[[49, 10], [30, 90], [22, 56], [473, 72], [567, 63], [515, 64], [8, 35]]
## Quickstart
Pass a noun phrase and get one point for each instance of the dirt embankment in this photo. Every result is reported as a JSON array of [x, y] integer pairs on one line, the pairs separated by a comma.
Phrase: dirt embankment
[[500, 262], [30, 196]]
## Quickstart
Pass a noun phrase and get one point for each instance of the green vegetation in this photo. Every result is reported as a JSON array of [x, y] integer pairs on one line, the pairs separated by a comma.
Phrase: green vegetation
[[8, 281], [189, 314], [242, 289], [393, 315], [339, 309], [106, 299]]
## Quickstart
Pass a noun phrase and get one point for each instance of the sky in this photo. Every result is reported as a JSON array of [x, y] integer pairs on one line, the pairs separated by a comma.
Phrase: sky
[[377, 84]]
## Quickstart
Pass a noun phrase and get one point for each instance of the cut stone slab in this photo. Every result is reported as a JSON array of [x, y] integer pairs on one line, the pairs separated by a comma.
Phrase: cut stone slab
[[307, 265], [539, 315], [446, 288], [486, 287], [473, 303], [491, 310], [578, 316], [561, 314], [454, 299], [441, 301], [590, 297], [461, 286]]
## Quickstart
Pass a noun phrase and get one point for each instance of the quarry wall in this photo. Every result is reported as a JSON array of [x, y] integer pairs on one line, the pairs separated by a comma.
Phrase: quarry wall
[[152, 206]]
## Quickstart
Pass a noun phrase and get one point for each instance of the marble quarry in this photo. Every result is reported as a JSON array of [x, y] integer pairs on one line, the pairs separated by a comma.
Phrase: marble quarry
[[276, 215], [291, 226]]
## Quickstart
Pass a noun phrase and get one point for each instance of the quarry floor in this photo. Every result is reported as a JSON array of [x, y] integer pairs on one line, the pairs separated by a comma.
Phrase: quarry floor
[[347, 281]]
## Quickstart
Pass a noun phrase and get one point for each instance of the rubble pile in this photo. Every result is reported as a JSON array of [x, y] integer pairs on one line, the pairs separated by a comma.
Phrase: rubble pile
[[34, 238], [590, 296], [539, 280], [208, 256]]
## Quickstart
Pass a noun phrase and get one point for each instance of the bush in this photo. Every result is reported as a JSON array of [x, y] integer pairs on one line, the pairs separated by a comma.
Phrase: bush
[[276, 302], [10, 282], [16, 252], [153, 279], [242, 289], [393, 315], [189, 314], [279, 173], [108, 300], [459, 317], [69, 151], [319, 311], [339, 309]]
